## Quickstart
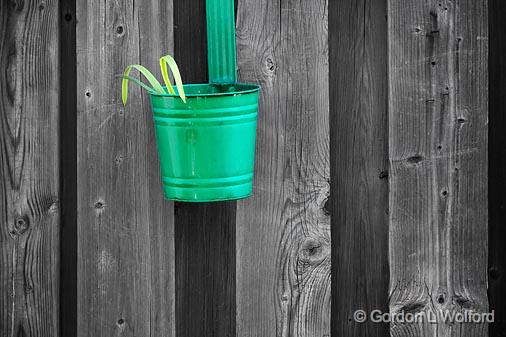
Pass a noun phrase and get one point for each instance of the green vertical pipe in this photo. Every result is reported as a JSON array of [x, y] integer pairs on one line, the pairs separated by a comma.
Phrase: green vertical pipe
[[221, 53]]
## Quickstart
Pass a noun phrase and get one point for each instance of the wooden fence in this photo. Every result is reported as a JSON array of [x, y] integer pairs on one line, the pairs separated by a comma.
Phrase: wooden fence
[[379, 179]]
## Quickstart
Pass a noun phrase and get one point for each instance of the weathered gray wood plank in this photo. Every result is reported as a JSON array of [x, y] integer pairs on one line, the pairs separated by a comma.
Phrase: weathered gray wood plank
[[29, 168], [438, 85], [359, 164], [125, 227], [283, 231]]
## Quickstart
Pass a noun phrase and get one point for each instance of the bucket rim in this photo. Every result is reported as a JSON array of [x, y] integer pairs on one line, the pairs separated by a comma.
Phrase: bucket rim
[[244, 88]]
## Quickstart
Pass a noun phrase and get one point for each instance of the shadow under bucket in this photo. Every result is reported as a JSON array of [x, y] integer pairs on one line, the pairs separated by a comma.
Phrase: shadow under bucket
[[206, 146]]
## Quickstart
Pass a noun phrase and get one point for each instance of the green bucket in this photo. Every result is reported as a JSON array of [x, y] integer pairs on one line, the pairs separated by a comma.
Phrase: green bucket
[[205, 133], [206, 146]]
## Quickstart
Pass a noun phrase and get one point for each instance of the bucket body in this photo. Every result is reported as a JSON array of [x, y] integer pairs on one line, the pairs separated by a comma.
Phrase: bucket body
[[206, 146]]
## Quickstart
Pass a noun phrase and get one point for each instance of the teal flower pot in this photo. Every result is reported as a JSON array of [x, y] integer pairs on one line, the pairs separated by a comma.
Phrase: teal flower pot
[[206, 146]]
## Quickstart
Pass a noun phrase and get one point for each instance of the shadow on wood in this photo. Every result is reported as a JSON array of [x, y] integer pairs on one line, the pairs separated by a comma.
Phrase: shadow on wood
[[204, 232], [359, 164], [205, 269], [497, 167]]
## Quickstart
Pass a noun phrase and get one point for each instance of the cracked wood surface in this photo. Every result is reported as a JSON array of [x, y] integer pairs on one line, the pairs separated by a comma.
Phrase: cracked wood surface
[[438, 119]]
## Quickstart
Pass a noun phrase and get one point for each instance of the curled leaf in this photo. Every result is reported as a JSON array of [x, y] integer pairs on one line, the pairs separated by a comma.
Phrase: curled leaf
[[157, 87], [139, 83], [169, 60], [165, 76]]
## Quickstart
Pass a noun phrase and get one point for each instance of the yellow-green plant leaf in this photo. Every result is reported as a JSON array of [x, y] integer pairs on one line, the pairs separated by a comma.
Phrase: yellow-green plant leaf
[[165, 76], [139, 83], [149, 76], [169, 60]]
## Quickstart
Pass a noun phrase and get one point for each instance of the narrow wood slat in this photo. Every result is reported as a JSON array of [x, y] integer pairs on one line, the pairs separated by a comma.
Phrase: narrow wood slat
[[204, 232], [29, 168], [68, 169], [125, 227], [359, 165], [497, 167], [190, 41], [283, 231], [438, 122], [205, 269]]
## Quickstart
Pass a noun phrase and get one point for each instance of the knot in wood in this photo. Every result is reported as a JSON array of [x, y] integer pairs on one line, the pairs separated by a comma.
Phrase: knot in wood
[[270, 65], [311, 252], [413, 307], [99, 205], [383, 175], [415, 159], [21, 225], [466, 302], [120, 30], [119, 159], [441, 299]]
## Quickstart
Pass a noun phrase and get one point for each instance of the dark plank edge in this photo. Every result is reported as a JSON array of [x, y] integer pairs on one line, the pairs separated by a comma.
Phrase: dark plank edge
[[205, 269], [68, 169], [497, 167], [204, 233], [190, 40], [358, 164]]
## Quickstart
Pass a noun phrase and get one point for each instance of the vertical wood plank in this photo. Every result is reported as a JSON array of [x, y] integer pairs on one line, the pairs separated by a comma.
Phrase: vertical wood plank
[[205, 269], [190, 40], [125, 227], [68, 169], [283, 231], [204, 232], [438, 89], [359, 164], [29, 168], [497, 167]]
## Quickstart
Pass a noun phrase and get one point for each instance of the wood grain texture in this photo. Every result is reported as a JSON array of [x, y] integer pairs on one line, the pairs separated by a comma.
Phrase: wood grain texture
[[497, 167], [283, 231], [29, 168], [359, 164], [438, 116], [125, 227], [204, 232]]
